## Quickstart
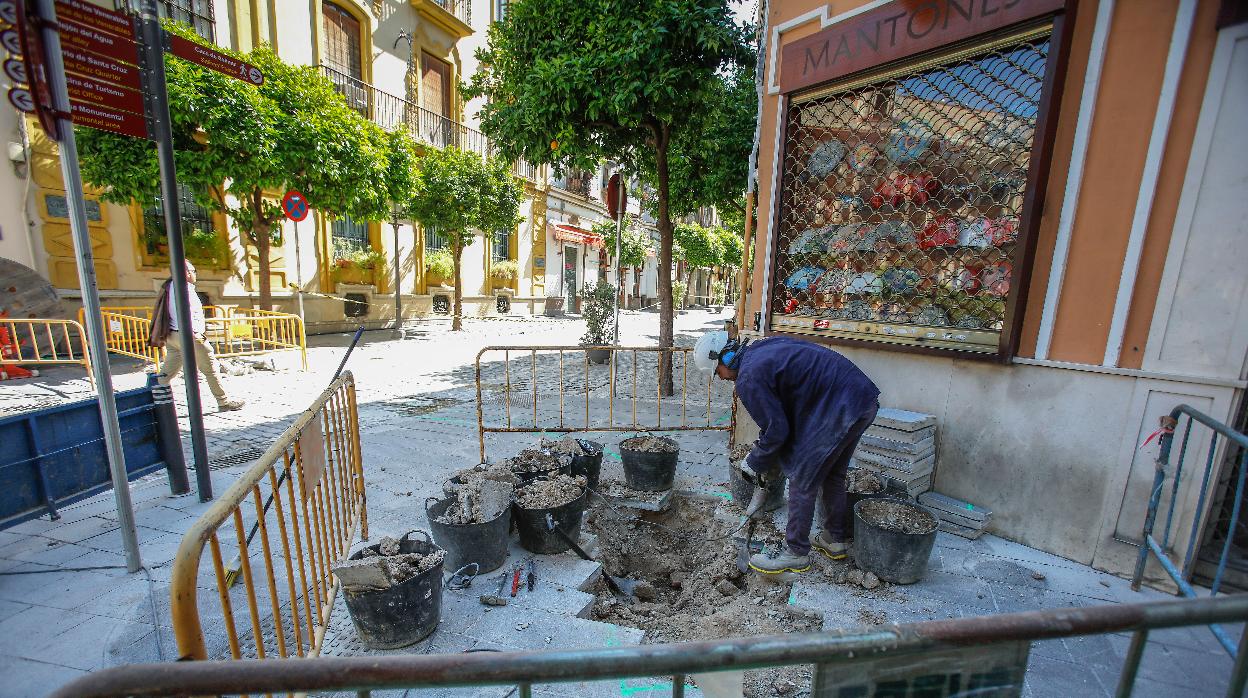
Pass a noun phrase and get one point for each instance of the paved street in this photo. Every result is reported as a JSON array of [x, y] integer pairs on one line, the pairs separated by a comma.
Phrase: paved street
[[67, 606]]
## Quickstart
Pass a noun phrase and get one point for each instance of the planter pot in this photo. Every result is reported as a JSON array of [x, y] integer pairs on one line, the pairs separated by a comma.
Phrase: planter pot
[[353, 275], [598, 356]]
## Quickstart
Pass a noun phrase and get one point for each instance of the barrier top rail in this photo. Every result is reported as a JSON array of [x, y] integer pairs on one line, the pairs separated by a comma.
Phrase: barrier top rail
[[838, 648], [43, 337]]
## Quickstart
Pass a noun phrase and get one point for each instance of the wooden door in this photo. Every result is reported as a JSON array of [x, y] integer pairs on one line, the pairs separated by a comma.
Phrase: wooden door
[[342, 41], [435, 78]]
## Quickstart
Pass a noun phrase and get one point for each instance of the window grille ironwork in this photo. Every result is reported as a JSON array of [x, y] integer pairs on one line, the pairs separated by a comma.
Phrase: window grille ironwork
[[348, 236], [197, 224], [500, 246], [434, 240], [901, 201]]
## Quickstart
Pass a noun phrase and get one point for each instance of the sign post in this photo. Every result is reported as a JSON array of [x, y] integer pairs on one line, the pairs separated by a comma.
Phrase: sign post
[[295, 205], [52, 76], [617, 203]]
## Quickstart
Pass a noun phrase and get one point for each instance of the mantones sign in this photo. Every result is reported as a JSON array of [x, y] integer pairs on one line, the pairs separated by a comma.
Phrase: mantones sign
[[896, 30]]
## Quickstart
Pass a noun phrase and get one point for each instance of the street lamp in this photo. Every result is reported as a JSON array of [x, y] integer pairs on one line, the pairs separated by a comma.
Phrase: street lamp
[[398, 289]]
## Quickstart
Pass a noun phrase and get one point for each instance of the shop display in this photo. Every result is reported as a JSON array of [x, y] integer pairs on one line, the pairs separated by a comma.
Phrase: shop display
[[900, 219]]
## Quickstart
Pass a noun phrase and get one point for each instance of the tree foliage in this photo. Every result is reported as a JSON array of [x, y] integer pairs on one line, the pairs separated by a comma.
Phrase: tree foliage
[[240, 147], [699, 248], [575, 82], [461, 195], [731, 247]]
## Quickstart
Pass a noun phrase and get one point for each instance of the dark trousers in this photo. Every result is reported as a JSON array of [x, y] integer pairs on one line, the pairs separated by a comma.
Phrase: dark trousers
[[831, 484]]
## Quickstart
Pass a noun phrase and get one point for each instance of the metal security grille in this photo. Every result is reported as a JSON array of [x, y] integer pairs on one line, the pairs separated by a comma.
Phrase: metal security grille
[[901, 201]]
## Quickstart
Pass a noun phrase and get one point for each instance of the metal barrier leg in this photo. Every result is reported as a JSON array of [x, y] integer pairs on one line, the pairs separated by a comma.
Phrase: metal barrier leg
[[1131, 665], [526, 690], [1153, 502], [678, 686], [1239, 673]]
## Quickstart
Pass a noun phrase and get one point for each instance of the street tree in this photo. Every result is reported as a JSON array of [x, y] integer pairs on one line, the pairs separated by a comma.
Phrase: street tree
[[461, 195], [575, 82], [635, 246], [700, 248], [239, 147], [731, 247]]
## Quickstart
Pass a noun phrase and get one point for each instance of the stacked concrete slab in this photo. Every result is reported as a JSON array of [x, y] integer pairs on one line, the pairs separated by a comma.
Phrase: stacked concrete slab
[[956, 516], [901, 445]]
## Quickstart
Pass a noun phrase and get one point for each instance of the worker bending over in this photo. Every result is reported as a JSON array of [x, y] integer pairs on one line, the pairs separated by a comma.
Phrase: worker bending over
[[811, 405]]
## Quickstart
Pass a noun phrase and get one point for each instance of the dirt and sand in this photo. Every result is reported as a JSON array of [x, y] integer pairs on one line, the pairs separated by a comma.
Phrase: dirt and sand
[[384, 566], [650, 444], [568, 446], [863, 482], [550, 493], [740, 451], [896, 516], [536, 460]]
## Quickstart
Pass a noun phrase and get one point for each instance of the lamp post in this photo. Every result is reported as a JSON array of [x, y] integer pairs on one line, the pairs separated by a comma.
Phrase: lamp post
[[398, 276]]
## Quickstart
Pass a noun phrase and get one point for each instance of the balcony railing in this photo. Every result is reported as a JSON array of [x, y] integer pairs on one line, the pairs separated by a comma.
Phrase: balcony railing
[[525, 170], [391, 112], [575, 182], [462, 9]]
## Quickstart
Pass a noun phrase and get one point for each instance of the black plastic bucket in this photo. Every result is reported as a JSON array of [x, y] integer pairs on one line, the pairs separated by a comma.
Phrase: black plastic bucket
[[535, 533], [590, 464], [405, 613], [900, 558], [852, 498], [743, 491], [484, 544], [648, 471]]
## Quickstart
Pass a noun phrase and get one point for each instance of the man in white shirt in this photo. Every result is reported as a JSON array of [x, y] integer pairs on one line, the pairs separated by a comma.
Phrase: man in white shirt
[[205, 358]]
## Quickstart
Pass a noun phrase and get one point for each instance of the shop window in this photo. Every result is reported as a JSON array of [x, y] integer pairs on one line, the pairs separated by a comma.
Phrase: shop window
[[901, 204], [200, 239], [500, 246]]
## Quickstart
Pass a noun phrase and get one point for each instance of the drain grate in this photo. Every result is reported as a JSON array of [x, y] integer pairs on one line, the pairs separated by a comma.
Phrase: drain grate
[[230, 460]]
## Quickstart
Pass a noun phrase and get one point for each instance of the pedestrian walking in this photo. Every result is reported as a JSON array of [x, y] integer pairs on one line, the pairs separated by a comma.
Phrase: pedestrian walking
[[811, 405], [165, 325]]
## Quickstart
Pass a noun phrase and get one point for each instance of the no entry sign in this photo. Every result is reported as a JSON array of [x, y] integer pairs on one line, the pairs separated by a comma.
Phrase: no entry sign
[[295, 206]]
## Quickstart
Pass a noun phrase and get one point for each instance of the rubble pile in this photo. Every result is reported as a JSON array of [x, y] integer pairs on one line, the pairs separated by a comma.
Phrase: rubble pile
[[551, 493], [650, 444], [567, 446], [384, 566], [537, 460], [481, 493]]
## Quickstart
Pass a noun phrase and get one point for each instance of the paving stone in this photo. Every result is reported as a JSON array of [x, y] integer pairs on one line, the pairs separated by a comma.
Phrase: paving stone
[[27, 677], [81, 530], [1051, 678]]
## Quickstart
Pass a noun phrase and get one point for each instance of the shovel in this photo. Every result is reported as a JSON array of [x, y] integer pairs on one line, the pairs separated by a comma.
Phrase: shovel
[[620, 586], [747, 546]]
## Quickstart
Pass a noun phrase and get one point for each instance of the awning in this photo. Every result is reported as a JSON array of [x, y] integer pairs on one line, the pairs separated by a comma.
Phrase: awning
[[570, 233]]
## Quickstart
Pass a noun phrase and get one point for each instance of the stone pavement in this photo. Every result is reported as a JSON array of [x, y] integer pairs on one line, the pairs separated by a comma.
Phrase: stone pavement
[[59, 619]]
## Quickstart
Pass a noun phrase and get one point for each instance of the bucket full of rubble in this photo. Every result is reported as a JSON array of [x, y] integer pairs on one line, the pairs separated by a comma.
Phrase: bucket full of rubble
[[649, 462], [544, 505], [743, 491], [533, 463], [586, 457], [393, 590], [471, 523], [893, 538], [860, 484]]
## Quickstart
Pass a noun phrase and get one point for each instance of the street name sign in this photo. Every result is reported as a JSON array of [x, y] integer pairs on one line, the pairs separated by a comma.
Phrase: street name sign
[[205, 57]]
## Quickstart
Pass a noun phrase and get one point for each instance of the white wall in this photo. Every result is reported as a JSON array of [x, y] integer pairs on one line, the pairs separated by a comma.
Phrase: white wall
[[15, 233]]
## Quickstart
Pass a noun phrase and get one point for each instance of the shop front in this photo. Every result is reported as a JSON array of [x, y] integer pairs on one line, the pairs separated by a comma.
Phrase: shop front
[[578, 253], [969, 199]]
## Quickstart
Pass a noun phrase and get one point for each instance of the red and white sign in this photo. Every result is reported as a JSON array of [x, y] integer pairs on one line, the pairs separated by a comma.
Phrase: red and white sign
[[295, 204], [87, 91], [95, 17], [97, 67], [85, 38], [214, 60], [111, 120]]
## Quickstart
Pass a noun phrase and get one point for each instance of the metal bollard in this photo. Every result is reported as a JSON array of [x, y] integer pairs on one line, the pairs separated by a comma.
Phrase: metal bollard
[[168, 440]]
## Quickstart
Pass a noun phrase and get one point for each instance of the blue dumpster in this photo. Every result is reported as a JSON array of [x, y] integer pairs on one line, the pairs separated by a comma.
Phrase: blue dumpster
[[56, 456]]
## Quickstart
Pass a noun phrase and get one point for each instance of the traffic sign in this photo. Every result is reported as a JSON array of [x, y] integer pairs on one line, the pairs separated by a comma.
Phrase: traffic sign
[[15, 69], [22, 100], [205, 57], [85, 38], [94, 17], [111, 120], [91, 65], [90, 91], [295, 205]]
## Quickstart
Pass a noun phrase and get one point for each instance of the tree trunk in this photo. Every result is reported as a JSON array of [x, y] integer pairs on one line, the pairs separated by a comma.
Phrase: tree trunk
[[457, 320], [260, 232], [666, 309]]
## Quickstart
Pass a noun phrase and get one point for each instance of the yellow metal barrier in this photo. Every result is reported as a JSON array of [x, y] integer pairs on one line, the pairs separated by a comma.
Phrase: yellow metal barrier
[[44, 341], [304, 499], [535, 378], [232, 332]]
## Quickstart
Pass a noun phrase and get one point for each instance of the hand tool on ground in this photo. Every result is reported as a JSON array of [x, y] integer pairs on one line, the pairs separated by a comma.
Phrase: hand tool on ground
[[498, 598], [532, 576], [232, 570], [757, 499], [620, 586], [515, 582]]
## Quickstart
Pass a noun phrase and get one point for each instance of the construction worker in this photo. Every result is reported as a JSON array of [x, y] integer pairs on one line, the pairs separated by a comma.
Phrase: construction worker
[[165, 324], [811, 405]]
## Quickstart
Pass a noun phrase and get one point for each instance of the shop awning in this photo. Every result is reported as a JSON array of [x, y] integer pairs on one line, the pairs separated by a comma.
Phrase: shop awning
[[564, 232]]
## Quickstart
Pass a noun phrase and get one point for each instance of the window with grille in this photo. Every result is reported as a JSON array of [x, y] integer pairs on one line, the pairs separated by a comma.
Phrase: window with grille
[[500, 246], [435, 240], [196, 14], [199, 231], [349, 236], [901, 201]]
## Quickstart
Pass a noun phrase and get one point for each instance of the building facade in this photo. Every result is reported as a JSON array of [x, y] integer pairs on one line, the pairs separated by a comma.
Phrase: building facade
[[400, 65], [1021, 217]]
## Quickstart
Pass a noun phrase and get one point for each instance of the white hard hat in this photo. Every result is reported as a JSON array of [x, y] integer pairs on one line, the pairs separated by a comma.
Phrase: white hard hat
[[706, 351]]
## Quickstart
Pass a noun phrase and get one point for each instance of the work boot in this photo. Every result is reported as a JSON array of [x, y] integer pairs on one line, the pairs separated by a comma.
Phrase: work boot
[[229, 405], [830, 548], [785, 561]]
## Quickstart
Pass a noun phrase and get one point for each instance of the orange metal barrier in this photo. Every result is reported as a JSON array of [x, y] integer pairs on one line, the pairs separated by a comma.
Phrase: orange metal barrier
[[307, 505], [32, 341]]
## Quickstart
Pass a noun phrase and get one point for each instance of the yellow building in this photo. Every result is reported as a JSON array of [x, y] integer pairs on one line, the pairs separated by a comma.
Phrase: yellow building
[[400, 65]]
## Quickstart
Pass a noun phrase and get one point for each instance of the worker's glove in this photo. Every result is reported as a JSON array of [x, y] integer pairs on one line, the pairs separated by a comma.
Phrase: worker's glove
[[749, 474]]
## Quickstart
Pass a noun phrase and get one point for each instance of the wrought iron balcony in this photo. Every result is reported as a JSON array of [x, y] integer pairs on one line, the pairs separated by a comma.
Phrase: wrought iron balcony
[[461, 9], [391, 112]]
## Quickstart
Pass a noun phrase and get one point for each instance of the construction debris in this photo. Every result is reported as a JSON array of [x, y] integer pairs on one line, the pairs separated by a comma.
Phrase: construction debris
[[548, 494], [861, 481], [567, 446], [650, 444], [538, 460], [384, 566], [478, 501], [957, 517]]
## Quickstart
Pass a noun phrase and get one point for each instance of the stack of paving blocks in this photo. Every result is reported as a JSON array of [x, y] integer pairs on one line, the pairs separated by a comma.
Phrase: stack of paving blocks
[[957, 517], [901, 445]]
